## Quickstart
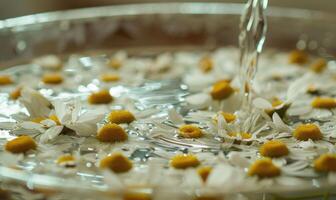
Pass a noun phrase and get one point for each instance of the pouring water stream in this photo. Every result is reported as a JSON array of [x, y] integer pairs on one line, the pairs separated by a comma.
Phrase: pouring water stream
[[252, 36]]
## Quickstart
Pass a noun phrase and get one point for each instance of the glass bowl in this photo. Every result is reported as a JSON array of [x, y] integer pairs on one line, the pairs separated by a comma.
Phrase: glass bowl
[[150, 29]]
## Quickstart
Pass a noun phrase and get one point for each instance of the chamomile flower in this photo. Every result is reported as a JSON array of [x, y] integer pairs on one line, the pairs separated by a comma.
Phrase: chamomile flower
[[177, 130]]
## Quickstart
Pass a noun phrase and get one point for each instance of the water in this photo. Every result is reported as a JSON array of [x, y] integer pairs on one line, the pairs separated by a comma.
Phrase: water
[[252, 36]]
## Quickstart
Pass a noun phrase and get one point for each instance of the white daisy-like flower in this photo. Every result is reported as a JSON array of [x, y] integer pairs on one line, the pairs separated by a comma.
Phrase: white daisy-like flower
[[49, 62], [49, 119], [72, 115], [205, 100], [176, 131], [246, 128]]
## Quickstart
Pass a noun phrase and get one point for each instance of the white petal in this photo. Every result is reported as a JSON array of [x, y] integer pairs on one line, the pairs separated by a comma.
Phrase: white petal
[[92, 116], [320, 113], [48, 122], [49, 62], [31, 125], [113, 181], [36, 104], [175, 117], [60, 110], [9, 159], [82, 129], [223, 175], [51, 134], [297, 88], [7, 125], [236, 159], [200, 100], [192, 179], [279, 124], [299, 110], [262, 103]]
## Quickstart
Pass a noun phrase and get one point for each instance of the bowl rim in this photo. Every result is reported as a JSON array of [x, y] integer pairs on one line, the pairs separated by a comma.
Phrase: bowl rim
[[191, 8], [173, 8]]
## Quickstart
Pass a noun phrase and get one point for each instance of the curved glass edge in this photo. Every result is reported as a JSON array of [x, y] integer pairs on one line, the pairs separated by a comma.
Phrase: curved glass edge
[[154, 8]]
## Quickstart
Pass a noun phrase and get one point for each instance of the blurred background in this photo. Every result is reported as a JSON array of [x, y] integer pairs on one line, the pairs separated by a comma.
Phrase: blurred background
[[13, 8]]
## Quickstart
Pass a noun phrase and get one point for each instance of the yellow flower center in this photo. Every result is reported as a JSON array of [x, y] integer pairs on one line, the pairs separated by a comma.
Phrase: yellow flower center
[[51, 117], [264, 168], [112, 133], [221, 90], [136, 196], [20, 144], [319, 65], [312, 89], [229, 117], [184, 161], [116, 162], [66, 159], [55, 119], [16, 93], [114, 63], [54, 78], [243, 135], [298, 57], [276, 102], [325, 163], [274, 148], [5, 80], [204, 172], [110, 77], [190, 131], [100, 97], [120, 117], [307, 131], [38, 119], [206, 64], [324, 103]]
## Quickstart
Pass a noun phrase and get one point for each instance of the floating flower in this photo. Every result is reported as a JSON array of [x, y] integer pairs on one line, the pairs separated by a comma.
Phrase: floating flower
[[116, 162], [184, 161], [100, 97], [21, 144], [120, 117], [112, 133], [264, 168]]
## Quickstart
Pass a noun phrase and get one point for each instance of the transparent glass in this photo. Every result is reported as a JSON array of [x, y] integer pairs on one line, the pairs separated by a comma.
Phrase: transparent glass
[[151, 28]]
